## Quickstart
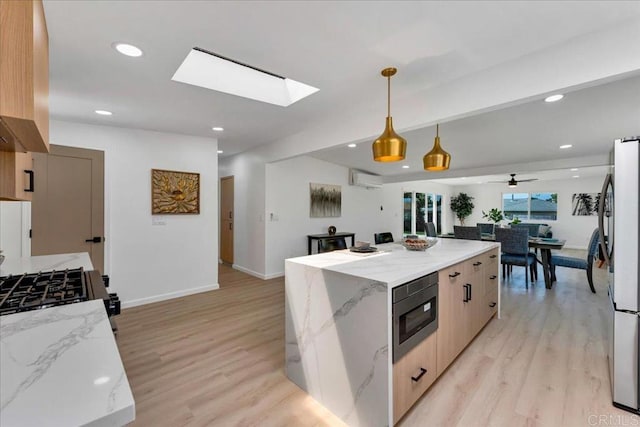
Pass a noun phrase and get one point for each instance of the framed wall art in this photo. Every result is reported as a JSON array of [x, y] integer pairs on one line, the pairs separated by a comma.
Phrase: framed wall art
[[174, 192], [326, 200], [585, 204]]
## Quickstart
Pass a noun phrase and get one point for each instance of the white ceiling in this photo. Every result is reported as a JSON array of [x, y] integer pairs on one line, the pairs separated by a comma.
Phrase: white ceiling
[[338, 47], [589, 119]]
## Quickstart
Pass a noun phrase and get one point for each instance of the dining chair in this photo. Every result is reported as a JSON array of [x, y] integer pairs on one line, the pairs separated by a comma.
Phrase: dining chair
[[468, 233], [431, 230], [486, 227], [328, 245], [385, 237], [533, 229], [579, 263], [515, 251]]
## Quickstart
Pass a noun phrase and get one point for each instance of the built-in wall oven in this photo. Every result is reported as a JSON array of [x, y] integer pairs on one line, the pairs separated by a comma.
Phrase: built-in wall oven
[[415, 313]]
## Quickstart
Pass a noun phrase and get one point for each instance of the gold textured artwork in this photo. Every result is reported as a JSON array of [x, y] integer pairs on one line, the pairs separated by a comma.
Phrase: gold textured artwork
[[175, 192]]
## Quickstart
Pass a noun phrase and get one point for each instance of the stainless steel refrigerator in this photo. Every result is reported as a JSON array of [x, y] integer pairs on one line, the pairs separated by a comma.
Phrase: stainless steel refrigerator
[[619, 219]]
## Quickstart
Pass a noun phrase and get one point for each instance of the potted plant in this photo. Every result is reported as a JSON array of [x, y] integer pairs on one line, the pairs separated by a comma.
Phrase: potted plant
[[462, 206], [494, 215], [516, 221]]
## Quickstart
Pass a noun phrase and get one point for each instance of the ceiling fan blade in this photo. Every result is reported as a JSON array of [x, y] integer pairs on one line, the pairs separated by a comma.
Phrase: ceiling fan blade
[[527, 180]]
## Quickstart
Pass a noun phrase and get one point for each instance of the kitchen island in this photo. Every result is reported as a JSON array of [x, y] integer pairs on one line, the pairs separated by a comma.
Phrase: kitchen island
[[60, 366], [34, 264], [338, 323]]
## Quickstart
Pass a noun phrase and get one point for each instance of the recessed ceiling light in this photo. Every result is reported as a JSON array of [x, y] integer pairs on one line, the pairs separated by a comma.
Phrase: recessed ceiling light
[[573, 169], [464, 177], [212, 71], [562, 147], [220, 151], [405, 166], [352, 145], [479, 182], [575, 176], [104, 112], [554, 98], [217, 128], [127, 49]]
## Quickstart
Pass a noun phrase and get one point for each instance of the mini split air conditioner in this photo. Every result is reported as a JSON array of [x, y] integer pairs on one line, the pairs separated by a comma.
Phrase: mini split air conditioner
[[362, 179]]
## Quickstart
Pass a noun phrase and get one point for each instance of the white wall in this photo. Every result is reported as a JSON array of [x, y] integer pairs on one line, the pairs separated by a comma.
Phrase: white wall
[[576, 230], [287, 198], [152, 262], [15, 222]]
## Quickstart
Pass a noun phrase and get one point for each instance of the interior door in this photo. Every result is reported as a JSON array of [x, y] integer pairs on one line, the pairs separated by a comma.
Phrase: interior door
[[67, 212], [226, 219]]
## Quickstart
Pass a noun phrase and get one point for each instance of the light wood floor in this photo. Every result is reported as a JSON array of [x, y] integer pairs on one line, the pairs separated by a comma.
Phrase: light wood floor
[[217, 359]]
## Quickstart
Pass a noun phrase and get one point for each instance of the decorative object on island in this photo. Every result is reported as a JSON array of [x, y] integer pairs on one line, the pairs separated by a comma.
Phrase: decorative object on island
[[462, 206], [494, 215], [516, 221], [332, 230], [585, 204], [175, 192], [437, 159], [389, 147], [326, 200]]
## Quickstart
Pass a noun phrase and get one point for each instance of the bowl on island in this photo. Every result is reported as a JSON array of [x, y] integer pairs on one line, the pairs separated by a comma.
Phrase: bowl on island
[[417, 244]]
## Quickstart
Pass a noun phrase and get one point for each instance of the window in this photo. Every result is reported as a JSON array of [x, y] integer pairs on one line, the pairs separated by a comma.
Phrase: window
[[526, 206], [420, 208]]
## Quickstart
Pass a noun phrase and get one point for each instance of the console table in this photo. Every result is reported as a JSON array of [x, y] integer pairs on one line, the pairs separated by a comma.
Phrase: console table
[[327, 236]]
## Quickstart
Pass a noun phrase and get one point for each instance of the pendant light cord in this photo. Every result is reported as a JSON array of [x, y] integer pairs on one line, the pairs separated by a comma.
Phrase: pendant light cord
[[389, 96], [437, 129]]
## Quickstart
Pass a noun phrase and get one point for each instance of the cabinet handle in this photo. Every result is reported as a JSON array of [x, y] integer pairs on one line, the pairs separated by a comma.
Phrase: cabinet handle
[[422, 372], [30, 173], [466, 293], [456, 274], [492, 277], [493, 304], [470, 286], [475, 264], [493, 256]]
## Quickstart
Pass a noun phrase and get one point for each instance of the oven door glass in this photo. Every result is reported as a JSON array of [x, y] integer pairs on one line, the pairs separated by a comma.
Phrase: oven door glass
[[417, 318]]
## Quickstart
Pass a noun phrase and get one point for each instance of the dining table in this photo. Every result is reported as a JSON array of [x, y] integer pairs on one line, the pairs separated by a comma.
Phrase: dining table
[[545, 245]]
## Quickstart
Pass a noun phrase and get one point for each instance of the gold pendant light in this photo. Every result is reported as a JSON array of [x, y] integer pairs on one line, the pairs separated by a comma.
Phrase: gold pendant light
[[389, 147], [437, 159]]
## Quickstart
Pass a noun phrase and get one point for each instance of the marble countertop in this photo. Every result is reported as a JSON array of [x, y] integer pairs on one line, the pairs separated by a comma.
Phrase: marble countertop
[[60, 367], [394, 264], [34, 264]]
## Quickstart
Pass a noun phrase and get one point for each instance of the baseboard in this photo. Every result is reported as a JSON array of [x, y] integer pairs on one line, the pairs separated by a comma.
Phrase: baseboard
[[256, 274], [168, 296]]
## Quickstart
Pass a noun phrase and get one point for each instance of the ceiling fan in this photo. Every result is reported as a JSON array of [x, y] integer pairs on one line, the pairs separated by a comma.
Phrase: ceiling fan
[[513, 182]]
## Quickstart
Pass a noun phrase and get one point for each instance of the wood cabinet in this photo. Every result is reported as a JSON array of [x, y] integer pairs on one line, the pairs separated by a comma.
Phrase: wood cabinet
[[453, 314], [412, 376], [14, 181], [467, 299], [24, 77]]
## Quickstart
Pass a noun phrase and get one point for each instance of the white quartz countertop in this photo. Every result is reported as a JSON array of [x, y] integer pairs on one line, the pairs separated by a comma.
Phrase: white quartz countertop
[[60, 366], [396, 265], [35, 264]]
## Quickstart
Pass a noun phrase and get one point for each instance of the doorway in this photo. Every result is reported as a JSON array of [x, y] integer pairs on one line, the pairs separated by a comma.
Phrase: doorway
[[67, 211], [226, 219]]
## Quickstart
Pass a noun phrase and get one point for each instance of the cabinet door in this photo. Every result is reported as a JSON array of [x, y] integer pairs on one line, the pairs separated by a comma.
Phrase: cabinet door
[[452, 318], [13, 178], [413, 374], [476, 294]]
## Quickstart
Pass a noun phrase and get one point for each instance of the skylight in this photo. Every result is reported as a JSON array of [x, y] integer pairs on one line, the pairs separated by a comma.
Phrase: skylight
[[211, 71]]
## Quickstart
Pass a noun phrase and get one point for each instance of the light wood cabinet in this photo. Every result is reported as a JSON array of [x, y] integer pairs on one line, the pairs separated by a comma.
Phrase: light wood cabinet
[[24, 77], [14, 181], [412, 376], [467, 299], [453, 314]]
